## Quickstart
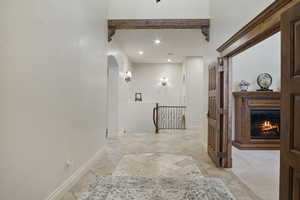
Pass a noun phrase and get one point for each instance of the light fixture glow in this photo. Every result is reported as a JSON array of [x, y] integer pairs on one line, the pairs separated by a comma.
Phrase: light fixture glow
[[164, 81], [141, 52], [157, 41], [128, 76], [169, 60]]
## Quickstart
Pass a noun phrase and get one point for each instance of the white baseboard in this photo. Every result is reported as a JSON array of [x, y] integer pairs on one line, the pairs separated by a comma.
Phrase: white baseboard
[[59, 192]]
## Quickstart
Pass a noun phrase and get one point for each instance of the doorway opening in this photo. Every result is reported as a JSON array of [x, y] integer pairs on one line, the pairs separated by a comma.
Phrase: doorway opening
[[256, 117], [281, 16], [166, 68]]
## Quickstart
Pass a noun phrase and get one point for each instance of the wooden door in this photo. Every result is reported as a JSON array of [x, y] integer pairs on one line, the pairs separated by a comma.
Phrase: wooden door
[[290, 105], [214, 114]]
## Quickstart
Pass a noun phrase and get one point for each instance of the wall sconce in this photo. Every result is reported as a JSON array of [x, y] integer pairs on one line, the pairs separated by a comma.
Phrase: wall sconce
[[164, 81], [128, 76]]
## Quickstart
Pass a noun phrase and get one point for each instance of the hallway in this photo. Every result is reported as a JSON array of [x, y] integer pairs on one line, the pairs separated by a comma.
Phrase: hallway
[[85, 85], [172, 165]]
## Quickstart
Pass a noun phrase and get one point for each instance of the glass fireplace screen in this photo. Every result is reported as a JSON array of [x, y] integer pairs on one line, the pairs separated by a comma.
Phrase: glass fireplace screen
[[265, 124]]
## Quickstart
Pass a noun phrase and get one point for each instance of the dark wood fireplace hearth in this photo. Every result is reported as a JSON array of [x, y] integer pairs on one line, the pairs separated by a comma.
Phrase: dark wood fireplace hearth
[[257, 120]]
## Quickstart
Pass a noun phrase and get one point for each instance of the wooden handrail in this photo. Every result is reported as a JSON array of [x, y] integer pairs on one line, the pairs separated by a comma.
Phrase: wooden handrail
[[155, 118]]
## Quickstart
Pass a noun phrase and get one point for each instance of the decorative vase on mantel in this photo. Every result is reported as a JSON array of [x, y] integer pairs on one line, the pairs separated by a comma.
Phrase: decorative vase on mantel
[[244, 85]]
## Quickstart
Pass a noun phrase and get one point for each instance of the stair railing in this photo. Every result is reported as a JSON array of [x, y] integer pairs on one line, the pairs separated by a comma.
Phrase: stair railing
[[169, 117]]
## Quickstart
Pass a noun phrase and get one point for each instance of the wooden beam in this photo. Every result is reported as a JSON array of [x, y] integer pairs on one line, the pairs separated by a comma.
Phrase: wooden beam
[[158, 23], [260, 28], [127, 24], [111, 33]]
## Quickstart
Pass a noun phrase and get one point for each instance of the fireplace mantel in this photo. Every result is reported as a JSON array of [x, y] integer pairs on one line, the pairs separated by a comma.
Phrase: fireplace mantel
[[257, 94], [245, 102]]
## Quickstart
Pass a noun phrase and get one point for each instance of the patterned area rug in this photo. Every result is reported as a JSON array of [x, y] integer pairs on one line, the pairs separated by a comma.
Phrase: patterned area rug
[[142, 188]]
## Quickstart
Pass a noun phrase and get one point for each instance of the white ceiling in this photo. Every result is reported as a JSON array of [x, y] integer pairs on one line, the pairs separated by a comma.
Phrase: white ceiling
[[180, 43]]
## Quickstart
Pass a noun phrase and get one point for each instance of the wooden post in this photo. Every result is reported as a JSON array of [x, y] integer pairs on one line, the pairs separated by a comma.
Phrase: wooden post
[[156, 119]]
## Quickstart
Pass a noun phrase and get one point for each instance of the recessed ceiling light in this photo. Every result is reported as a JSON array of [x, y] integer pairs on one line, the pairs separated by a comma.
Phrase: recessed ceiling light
[[141, 52], [169, 60], [157, 41]]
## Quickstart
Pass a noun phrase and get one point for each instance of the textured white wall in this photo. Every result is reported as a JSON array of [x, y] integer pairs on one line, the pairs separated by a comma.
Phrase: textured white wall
[[228, 16], [262, 58], [149, 9], [113, 97], [196, 95], [139, 118], [124, 65], [146, 79], [53, 92]]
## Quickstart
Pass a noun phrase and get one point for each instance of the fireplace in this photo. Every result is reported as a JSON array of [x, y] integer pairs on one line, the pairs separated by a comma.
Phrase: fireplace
[[257, 120], [265, 124]]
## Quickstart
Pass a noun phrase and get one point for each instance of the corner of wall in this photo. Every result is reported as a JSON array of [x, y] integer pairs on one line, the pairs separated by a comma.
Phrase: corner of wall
[[60, 191]]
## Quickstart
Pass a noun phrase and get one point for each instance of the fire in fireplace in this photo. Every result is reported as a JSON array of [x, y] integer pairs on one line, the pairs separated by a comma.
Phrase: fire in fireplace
[[265, 124]]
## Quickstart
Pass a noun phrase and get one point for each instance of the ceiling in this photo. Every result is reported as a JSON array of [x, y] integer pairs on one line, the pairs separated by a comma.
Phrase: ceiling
[[175, 44]]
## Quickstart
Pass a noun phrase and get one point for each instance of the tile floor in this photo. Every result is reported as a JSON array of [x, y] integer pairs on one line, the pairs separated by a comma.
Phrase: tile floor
[[259, 170], [157, 165], [183, 150]]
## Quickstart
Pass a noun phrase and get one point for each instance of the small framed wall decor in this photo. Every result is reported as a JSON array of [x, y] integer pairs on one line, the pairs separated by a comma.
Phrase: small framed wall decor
[[138, 97]]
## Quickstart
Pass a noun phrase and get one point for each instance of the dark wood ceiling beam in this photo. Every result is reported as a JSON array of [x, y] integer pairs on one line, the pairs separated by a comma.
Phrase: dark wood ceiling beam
[[127, 24], [111, 33], [159, 23], [260, 28]]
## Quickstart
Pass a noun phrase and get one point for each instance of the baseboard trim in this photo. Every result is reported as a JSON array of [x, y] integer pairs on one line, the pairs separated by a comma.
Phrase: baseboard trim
[[59, 192]]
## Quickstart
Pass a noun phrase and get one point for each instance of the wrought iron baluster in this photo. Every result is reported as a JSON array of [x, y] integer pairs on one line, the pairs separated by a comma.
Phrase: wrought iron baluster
[[171, 117]]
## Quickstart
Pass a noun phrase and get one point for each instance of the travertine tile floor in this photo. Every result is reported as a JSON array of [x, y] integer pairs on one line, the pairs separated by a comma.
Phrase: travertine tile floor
[[259, 169], [185, 144], [157, 165]]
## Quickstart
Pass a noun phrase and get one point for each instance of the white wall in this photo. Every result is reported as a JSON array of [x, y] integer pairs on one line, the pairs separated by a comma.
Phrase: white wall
[[196, 92], [146, 80], [113, 97], [124, 94], [262, 58], [196, 95], [228, 16], [53, 92], [149, 9], [139, 118]]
